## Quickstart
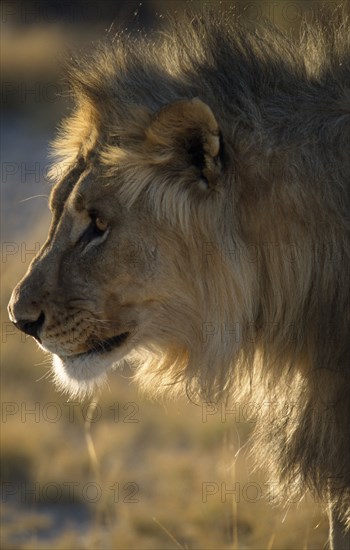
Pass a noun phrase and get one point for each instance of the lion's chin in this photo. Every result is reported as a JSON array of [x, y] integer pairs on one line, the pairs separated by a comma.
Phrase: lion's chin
[[81, 375]]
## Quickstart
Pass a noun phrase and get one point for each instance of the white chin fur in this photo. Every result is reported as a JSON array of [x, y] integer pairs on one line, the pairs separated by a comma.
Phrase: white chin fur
[[81, 376]]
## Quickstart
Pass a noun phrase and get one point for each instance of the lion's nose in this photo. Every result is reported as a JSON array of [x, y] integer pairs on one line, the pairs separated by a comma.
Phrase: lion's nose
[[26, 313], [26, 307], [31, 327]]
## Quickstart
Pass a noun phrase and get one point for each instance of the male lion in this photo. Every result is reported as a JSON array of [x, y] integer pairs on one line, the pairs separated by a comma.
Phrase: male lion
[[201, 229]]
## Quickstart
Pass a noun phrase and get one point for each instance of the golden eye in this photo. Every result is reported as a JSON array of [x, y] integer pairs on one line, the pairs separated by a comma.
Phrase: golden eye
[[101, 224]]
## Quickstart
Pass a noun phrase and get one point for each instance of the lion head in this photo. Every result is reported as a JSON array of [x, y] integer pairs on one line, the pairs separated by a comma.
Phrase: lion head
[[133, 248]]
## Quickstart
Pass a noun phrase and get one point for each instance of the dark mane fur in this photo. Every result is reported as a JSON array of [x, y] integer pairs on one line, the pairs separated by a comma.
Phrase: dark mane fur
[[283, 107]]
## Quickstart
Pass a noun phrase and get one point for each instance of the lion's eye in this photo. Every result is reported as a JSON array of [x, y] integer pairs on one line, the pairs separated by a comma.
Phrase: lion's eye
[[98, 227], [101, 224], [96, 232]]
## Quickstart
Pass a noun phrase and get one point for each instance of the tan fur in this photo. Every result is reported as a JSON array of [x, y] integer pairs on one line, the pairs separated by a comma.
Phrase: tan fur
[[225, 188]]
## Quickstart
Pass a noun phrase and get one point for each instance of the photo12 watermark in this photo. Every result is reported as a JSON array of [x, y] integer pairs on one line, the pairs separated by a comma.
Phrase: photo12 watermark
[[69, 492], [52, 412]]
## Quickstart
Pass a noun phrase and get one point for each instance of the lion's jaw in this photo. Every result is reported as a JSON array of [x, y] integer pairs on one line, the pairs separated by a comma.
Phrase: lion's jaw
[[81, 374]]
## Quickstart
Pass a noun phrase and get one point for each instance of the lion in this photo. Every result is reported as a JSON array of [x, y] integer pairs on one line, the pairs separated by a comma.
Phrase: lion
[[200, 231]]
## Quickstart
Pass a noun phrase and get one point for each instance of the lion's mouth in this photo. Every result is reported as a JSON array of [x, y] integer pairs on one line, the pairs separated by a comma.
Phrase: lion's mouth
[[98, 347]]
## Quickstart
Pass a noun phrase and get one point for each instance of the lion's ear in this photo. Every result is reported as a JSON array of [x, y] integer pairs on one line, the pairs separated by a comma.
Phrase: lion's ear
[[186, 131]]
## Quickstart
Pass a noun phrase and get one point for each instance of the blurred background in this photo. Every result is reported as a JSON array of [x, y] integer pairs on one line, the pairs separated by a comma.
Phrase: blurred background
[[123, 472]]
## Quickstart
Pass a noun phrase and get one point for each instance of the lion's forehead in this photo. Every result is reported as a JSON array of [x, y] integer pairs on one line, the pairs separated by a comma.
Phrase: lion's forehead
[[66, 184], [80, 192]]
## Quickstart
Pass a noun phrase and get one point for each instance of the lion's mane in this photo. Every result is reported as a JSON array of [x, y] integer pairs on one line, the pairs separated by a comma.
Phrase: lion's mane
[[270, 313]]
